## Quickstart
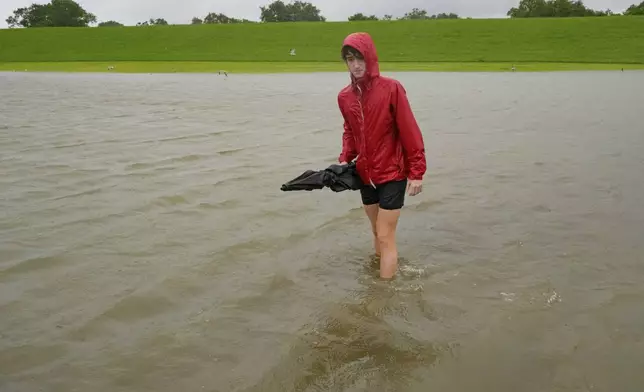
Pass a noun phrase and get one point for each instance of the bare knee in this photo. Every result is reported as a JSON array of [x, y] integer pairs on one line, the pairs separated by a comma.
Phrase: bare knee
[[385, 237], [386, 228]]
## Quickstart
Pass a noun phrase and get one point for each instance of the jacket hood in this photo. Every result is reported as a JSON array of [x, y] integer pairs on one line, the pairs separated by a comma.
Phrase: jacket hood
[[365, 45]]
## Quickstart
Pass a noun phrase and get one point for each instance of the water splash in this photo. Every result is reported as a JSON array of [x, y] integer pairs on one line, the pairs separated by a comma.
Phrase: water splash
[[508, 297], [552, 297]]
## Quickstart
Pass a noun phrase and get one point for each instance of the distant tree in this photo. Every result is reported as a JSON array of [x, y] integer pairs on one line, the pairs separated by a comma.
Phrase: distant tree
[[415, 13], [34, 16], [635, 9], [387, 17], [579, 9], [110, 23], [445, 16], [360, 16], [297, 11], [152, 22], [553, 9], [274, 12], [57, 13], [608, 12], [529, 8], [213, 18]]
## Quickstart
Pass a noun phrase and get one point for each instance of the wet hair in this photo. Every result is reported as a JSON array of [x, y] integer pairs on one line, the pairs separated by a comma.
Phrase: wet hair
[[350, 50]]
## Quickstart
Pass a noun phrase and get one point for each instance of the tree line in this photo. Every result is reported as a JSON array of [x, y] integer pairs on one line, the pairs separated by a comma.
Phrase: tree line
[[414, 14], [68, 13], [564, 9]]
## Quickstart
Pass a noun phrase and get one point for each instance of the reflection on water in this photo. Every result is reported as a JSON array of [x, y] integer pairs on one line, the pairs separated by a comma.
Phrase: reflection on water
[[145, 243]]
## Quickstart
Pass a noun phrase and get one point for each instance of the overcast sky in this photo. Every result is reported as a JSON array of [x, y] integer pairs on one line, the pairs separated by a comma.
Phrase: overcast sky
[[129, 12]]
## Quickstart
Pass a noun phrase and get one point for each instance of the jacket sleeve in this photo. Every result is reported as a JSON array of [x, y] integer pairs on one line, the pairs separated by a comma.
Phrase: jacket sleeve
[[349, 152], [410, 135]]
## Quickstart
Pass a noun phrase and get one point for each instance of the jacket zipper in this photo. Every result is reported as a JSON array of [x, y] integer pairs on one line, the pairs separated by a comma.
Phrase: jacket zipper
[[363, 136]]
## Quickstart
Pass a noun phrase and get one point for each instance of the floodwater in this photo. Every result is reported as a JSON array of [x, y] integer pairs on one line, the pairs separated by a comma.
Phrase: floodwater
[[145, 244]]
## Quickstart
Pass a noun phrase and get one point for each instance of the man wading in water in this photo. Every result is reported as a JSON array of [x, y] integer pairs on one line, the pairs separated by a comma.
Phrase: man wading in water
[[381, 131]]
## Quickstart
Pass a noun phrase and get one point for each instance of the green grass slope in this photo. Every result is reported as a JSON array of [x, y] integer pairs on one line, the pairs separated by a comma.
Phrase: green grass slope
[[604, 40], [246, 67]]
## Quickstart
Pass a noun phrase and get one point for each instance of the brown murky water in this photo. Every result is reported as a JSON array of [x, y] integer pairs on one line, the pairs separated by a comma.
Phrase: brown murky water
[[145, 244]]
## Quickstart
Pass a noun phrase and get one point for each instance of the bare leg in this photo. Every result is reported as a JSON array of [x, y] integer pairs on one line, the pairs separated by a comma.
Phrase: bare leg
[[386, 224], [372, 213]]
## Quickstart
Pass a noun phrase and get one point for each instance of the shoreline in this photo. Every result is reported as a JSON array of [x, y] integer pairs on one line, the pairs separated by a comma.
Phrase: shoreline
[[299, 67]]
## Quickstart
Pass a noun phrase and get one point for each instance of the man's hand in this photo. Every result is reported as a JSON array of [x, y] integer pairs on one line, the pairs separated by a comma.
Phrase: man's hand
[[343, 163], [414, 187]]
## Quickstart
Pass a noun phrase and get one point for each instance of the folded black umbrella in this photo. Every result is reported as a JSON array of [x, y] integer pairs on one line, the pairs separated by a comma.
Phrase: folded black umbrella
[[338, 178]]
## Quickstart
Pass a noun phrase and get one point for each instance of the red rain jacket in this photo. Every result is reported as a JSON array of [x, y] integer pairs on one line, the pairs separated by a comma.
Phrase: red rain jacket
[[379, 126]]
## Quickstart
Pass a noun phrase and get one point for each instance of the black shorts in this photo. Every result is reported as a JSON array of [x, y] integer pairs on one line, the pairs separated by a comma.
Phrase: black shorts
[[390, 195]]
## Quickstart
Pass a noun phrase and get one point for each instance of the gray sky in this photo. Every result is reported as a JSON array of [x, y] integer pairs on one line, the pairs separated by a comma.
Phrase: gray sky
[[181, 11]]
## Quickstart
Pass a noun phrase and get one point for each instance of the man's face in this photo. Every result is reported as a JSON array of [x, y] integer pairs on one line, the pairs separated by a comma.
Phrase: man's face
[[356, 66]]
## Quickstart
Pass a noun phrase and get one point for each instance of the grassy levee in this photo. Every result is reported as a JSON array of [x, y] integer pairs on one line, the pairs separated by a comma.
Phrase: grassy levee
[[564, 43]]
